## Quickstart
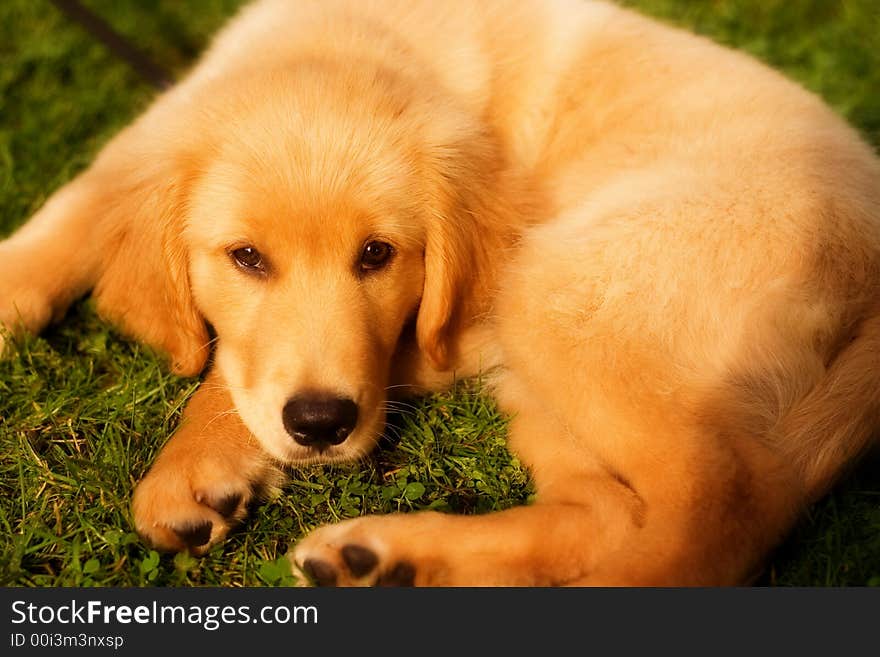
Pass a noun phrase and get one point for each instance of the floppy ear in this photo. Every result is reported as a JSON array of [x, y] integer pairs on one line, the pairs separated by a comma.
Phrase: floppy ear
[[144, 282], [461, 170], [448, 266]]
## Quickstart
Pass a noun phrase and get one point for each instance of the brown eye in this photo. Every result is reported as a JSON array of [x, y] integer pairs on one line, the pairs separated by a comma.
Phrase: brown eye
[[376, 255], [248, 258]]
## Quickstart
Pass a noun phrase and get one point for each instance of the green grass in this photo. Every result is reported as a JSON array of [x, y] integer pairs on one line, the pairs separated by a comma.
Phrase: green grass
[[83, 411]]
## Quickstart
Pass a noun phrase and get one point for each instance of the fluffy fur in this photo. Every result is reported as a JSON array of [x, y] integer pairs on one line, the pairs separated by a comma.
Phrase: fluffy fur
[[666, 255]]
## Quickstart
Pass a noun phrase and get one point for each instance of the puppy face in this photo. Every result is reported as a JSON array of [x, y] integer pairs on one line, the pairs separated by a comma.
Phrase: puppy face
[[306, 238]]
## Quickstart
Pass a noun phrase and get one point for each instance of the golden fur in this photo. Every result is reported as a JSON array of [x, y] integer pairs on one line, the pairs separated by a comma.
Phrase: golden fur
[[666, 256]]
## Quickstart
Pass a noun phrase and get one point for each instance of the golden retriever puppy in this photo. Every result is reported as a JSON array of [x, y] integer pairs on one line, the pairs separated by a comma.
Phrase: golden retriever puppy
[[665, 255]]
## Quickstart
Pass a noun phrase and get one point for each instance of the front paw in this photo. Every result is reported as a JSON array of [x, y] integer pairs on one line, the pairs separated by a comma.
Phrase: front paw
[[359, 552], [21, 314], [24, 303], [180, 506]]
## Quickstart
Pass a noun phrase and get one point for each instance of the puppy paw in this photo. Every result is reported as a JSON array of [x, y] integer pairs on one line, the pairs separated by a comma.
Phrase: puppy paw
[[24, 305], [17, 317], [359, 552], [179, 508]]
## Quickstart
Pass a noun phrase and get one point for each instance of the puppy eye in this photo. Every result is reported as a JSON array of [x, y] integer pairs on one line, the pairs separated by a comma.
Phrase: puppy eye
[[376, 255], [248, 258]]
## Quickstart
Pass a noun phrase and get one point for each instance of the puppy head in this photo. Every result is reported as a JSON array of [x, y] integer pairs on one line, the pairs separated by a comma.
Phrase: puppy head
[[326, 221]]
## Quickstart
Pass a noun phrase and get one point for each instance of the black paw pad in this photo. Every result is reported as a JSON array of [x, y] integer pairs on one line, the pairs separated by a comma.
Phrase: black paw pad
[[360, 560], [226, 506], [320, 572], [403, 574], [195, 535]]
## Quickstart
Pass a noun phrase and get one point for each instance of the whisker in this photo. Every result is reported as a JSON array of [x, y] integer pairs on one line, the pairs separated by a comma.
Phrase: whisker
[[222, 386], [403, 407], [406, 412], [406, 385], [396, 402], [389, 427], [222, 414]]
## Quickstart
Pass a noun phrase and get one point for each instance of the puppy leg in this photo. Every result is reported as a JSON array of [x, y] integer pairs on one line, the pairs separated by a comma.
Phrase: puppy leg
[[525, 546], [52, 260], [204, 477]]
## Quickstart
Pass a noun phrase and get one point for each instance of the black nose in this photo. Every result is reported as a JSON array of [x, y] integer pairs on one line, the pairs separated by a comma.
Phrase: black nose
[[318, 420]]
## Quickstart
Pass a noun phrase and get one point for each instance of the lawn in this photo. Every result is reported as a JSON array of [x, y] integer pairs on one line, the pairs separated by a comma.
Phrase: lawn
[[83, 411]]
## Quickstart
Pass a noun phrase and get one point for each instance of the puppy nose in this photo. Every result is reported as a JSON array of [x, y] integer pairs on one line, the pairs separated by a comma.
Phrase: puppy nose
[[318, 420]]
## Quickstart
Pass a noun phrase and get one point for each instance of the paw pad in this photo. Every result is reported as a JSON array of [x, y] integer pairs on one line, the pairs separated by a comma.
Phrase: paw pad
[[225, 506], [320, 572], [402, 574], [357, 563], [360, 560], [194, 536]]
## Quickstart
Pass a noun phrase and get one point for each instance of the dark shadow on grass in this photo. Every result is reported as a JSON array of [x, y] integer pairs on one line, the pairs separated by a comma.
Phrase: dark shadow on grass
[[838, 542]]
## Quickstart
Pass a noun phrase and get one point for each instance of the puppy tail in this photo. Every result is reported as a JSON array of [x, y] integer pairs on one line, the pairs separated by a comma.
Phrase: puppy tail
[[838, 420]]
